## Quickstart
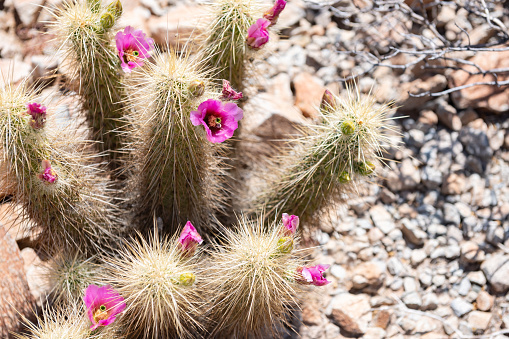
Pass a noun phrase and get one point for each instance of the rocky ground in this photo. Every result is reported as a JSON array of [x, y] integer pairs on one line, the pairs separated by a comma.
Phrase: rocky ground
[[425, 253]]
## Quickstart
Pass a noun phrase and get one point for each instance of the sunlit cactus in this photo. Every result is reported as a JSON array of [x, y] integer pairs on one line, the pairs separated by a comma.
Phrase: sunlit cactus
[[160, 281], [57, 188], [84, 31], [347, 146], [252, 272], [177, 170]]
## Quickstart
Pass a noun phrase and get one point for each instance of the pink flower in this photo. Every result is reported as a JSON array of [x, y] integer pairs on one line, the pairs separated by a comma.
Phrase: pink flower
[[257, 34], [189, 239], [38, 113], [219, 119], [133, 46], [290, 222], [273, 14], [103, 305], [229, 93], [48, 174], [312, 275]]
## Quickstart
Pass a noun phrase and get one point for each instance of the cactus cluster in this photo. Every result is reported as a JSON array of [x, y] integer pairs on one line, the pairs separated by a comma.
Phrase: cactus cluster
[[118, 267]]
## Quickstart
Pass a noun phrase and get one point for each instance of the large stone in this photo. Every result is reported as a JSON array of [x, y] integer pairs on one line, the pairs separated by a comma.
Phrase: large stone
[[433, 84], [351, 312], [308, 94], [16, 300], [493, 98], [496, 270]]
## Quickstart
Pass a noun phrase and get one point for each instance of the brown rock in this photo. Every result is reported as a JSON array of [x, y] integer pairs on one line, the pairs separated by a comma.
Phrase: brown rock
[[428, 117], [382, 319], [308, 94], [453, 184], [311, 315], [346, 323], [433, 84], [471, 253], [448, 116], [375, 235], [479, 321], [495, 99], [15, 293], [372, 273], [484, 301]]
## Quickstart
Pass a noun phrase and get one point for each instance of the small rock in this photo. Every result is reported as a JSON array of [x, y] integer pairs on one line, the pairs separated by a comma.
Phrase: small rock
[[439, 280], [428, 117], [412, 300], [477, 277], [429, 302], [479, 320], [496, 270], [448, 116], [308, 94], [346, 323], [484, 301], [351, 312], [406, 324], [431, 177], [338, 272], [395, 266], [382, 219], [381, 319], [412, 232], [332, 331], [410, 176], [374, 333], [476, 142], [418, 257], [28, 10], [311, 315], [451, 214], [375, 235], [433, 84], [464, 287], [372, 272], [471, 253], [453, 184], [410, 284], [461, 307]]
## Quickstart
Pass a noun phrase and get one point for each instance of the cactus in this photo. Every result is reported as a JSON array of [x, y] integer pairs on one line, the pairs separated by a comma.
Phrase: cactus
[[347, 146], [84, 30], [224, 47], [178, 174], [252, 272], [55, 185], [158, 282], [68, 275]]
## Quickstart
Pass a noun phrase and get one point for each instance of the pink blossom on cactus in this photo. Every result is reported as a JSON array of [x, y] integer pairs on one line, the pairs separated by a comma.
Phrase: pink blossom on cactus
[[257, 34], [48, 174], [103, 305], [38, 114], [290, 223], [189, 239], [133, 46], [273, 14], [219, 119], [229, 93], [312, 275]]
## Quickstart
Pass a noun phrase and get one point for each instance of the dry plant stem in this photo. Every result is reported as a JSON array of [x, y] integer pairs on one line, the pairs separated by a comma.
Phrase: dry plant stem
[[179, 175], [147, 274], [253, 281], [93, 69], [335, 154], [74, 211], [225, 49]]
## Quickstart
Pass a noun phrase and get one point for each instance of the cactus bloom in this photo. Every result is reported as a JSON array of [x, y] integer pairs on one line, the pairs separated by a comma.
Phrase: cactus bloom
[[290, 223], [48, 174], [189, 239], [273, 14], [38, 114], [103, 305], [133, 46], [312, 275], [219, 119], [229, 93], [257, 34]]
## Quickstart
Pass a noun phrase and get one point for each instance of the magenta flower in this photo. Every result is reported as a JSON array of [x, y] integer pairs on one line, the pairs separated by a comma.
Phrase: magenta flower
[[273, 14], [257, 34], [38, 113], [189, 239], [229, 93], [219, 119], [312, 275], [290, 223], [48, 174], [103, 305], [133, 46]]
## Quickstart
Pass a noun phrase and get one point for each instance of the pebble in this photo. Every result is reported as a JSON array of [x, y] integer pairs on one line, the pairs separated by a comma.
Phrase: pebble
[[395, 266], [484, 301], [496, 270], [461, 307]]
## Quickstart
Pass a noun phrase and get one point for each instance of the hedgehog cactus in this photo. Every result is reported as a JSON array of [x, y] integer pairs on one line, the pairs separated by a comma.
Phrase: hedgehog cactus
[[178, 174], [253, 272], [56, 187], [346, 147], [84, 30], [160, 281]]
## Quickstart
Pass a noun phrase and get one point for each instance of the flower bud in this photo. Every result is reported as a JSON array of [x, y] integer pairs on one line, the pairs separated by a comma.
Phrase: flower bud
[[107, 20], [197, 88], [48, 175], [189, 240], [344, 177], [115, 8], [187, 279], [285, 245], [290, 224], [347, 127], [328, 102], [364, 167]]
